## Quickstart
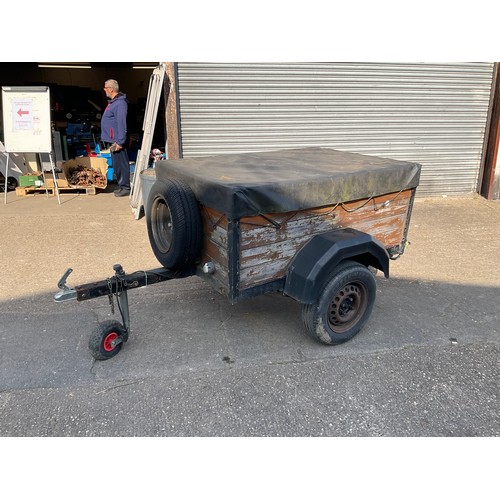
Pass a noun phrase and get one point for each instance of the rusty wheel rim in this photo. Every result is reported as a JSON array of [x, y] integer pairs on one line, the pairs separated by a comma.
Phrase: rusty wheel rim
[[347, 307]]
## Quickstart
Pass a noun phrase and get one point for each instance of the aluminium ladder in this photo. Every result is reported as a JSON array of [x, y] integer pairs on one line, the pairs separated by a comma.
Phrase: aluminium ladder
[[153, 100]]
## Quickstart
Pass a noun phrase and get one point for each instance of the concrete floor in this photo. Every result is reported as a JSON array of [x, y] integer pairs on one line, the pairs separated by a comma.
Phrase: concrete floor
[[427, 363]]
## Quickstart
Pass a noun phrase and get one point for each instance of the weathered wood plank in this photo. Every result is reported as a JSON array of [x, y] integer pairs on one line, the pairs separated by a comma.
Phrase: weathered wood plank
[[390, 228], [267, 251], [267, 271], [375, 204], [213, 218], [216, 234], [269, 242], [212, 251], [319, 220], [270, 262]]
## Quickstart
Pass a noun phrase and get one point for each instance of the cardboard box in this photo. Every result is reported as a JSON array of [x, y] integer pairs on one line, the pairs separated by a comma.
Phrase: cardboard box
[[96, 163], [61, 180]]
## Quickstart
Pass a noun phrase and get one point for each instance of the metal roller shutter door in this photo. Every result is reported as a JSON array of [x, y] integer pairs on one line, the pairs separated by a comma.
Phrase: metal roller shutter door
[[434, 114]]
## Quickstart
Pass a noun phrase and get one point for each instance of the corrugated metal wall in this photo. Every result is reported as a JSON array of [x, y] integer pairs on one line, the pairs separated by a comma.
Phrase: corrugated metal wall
[[434, 114]]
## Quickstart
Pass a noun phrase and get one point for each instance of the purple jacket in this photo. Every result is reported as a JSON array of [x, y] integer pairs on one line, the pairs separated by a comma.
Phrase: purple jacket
[[114, 120]]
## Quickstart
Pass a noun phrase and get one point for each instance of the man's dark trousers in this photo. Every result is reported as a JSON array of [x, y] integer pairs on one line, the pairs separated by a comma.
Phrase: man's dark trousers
[[121, 167]]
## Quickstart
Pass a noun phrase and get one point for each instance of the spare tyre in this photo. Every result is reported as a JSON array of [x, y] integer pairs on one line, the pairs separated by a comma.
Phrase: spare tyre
[[174, 223]]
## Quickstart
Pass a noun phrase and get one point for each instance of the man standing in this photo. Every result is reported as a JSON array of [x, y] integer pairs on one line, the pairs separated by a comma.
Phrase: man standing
[[114, 134]]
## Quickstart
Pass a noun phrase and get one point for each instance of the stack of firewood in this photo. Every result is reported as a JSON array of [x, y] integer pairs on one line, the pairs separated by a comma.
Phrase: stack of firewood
[[80, 175]]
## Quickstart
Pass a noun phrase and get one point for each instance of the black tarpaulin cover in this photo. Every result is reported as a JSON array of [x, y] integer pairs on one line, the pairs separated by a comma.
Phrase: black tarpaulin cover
[[247, 184]]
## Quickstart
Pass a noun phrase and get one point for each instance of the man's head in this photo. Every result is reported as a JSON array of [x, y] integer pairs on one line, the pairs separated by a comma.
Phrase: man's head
[[111, 88]]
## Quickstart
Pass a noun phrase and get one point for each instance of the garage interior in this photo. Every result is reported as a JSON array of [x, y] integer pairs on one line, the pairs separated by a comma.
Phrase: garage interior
[[78, 100], [444, 115]]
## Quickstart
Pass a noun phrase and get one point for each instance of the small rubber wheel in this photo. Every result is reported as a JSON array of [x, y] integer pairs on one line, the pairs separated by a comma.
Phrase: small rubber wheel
[[343, 305], [174, 223], [102, 341]]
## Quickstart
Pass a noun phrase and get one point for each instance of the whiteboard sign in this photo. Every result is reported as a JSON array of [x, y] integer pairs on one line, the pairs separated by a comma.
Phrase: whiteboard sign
[[26, 119]]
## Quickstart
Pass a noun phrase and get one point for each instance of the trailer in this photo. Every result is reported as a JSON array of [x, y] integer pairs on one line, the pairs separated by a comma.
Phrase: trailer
[[314, 224]]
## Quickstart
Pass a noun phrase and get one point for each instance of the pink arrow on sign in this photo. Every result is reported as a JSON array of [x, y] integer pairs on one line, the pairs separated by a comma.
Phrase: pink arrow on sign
[[21, 113]]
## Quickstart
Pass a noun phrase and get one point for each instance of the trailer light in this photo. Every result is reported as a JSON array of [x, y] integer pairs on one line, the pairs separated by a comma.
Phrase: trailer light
[[209, 268]]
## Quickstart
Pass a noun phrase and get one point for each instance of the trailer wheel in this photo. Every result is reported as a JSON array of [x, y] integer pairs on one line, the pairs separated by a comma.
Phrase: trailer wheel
[[102, 342], [343, 305], [174, 223]]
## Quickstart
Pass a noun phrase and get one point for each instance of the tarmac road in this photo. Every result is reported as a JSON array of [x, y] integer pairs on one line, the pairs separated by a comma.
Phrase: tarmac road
[[427, 363]]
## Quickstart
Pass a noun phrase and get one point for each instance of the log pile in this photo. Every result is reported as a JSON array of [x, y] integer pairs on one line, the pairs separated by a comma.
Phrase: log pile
[[82, 176]]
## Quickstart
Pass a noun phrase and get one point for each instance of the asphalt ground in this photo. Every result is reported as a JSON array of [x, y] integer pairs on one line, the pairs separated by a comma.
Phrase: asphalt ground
[[426, 365]]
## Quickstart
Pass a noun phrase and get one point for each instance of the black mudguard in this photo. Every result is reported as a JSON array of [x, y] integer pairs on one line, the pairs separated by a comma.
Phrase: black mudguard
[[314, 262]]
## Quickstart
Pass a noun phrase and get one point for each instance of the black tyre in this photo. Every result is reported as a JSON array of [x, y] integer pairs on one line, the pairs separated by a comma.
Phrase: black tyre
[[174, 223], [343, 306], [193, 222], [102, 343], [11, 183]]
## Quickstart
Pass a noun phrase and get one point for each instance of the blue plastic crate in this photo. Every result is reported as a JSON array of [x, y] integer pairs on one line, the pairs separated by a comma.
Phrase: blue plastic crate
[[108, 158]]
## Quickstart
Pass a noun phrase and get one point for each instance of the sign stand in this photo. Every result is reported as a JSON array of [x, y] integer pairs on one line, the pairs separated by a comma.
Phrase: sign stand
[[6, 176], [54, 175], [27, 127]]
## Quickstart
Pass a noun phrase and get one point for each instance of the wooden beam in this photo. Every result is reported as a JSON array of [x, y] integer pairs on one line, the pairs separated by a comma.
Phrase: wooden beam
[[488, 178], [172, 115]]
